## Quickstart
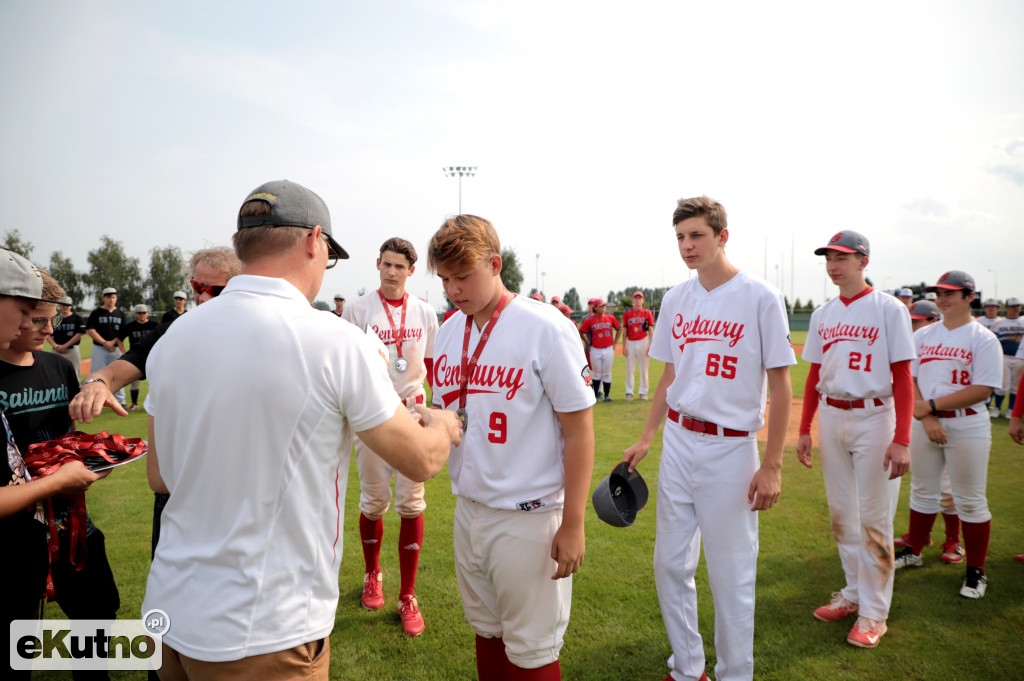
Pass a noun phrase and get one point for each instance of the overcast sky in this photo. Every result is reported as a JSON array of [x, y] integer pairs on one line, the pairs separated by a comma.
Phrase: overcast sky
[[150, 122]]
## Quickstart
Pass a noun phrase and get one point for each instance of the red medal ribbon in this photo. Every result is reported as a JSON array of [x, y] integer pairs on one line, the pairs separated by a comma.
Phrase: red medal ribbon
[[468, 364], [44, 458], [397, 334]]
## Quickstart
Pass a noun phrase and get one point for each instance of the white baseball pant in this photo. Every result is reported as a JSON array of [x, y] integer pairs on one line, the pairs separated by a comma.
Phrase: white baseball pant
[[1013, 367], [601, 364], [702, 494], [503, 567], [375, 484], [636, 351], [965, 455], [861, 500]]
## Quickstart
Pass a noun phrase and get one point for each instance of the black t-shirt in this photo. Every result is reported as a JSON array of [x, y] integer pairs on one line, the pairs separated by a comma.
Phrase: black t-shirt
[[138, 354], [135, 331], [106, 322], [35, 398], [170, 316], [73, 324]]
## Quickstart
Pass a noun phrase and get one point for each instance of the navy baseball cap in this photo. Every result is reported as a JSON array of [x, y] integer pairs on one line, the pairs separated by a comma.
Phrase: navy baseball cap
[[924, 309], [954, 280], [291, 205], [847, 241]]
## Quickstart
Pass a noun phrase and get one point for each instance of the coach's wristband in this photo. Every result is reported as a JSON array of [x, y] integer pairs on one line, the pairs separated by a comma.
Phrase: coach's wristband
[[91, 380], [931, 403]]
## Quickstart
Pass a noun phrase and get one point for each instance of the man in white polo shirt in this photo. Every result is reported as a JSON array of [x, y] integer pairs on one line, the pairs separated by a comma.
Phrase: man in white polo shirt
[[253, 444]]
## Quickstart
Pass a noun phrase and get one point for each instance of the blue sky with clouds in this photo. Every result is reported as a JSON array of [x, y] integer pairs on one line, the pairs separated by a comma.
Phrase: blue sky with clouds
[[150, 122]]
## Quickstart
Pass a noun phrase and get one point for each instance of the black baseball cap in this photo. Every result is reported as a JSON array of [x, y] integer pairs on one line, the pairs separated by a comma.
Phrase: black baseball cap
[[955, 280], [847, 241], [291, 205]]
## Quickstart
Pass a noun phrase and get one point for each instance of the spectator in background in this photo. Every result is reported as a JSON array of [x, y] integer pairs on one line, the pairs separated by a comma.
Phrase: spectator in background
[[906, 297], [104, 327], [339, 304], [68, 334], [991, 317], [1009, 331], [179, 300], [639, 329], [134, 331]]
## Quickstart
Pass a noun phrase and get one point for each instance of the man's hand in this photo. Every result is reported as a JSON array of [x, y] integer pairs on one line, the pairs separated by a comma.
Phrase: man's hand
[[444, 419], [88, 403], [567, 549], [803, 450], [1017, 430], [765, 488], [897, 460]]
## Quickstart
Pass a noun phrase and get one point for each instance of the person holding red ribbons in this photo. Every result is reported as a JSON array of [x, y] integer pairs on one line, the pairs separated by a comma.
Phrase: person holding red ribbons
[[407, 327], [514, 371], [24, 568]]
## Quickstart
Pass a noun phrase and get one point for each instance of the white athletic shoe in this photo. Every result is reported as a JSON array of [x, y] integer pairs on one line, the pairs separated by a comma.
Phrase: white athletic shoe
[[993, 412], [975, 584], [906, 558]]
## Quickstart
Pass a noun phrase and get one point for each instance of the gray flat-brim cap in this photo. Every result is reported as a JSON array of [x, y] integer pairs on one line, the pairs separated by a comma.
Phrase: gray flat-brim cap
[[20, 278], [291, 205]]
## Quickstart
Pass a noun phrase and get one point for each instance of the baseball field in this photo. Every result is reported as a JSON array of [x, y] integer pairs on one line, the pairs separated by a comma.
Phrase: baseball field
[[616, 630]]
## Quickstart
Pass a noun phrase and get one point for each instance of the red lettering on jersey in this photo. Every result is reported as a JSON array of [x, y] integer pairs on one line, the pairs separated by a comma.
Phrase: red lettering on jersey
[[931, 353], [387, 337], [847, 332], [698, 329], [509, 379]]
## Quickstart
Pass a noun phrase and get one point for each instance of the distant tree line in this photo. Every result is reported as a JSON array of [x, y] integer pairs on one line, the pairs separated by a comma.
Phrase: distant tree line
[[109, 265]]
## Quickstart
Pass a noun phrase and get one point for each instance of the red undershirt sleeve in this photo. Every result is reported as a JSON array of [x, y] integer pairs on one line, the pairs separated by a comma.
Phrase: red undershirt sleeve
[[811, 398], [903, 398], [1018, 404], [429, 363]]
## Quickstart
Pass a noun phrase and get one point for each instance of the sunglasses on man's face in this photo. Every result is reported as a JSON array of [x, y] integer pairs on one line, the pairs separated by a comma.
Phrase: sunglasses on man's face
[[200, 289]]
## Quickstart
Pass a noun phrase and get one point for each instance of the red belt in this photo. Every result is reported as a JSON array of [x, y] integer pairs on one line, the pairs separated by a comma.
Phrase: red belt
[[851, 404], [952, 414], [705, 427]]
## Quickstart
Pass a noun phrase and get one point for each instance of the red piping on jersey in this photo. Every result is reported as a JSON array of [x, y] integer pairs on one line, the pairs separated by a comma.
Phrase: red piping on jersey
[[428, 362], [847, 301], [337, 515]]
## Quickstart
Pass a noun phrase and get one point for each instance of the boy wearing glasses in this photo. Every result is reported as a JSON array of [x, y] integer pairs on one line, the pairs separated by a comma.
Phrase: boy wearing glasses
[[35, 387], [407, 326]]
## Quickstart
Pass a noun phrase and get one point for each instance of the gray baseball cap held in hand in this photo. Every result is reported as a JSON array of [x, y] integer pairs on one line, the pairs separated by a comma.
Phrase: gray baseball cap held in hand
[[291, 205], [19, 277]]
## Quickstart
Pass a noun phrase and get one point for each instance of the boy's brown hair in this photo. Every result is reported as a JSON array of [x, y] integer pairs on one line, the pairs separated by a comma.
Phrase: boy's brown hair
[[701, 206], [462, 241], [401, 247]]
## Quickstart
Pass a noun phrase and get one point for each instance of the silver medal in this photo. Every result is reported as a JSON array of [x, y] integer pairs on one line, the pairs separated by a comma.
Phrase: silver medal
[[461, 413], [401, 365]]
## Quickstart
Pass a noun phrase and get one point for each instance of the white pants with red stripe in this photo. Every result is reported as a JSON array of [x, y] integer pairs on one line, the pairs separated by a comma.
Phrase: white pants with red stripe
[[601, 360], [861, 500], [702, 494]]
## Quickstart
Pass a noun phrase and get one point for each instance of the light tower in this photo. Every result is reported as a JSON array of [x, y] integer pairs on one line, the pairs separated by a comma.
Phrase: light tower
[[460, 172]]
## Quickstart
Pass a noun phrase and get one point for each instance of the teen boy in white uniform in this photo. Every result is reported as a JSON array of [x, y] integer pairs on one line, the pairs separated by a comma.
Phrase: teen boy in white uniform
[[720, 334], [860, 346], [407, 326], [958, 365], [513, 368]]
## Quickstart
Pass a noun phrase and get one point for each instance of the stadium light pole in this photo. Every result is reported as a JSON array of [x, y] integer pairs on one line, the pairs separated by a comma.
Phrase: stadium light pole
[[459, 172], [995, 293], [536, 275]]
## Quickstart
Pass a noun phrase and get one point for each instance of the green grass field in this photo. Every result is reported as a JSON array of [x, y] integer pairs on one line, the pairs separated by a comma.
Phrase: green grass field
[[616, 630]]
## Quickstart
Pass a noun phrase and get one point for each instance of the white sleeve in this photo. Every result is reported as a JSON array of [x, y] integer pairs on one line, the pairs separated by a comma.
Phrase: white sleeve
[[812, 346], [776, 346], [564, 371], [898, 332], [988, 361]]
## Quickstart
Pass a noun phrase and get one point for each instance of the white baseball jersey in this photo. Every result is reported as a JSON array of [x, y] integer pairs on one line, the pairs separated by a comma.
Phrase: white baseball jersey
[[988, 323], [532, 366], [855, 342], [948, 361], [418, 337], [720, 343]]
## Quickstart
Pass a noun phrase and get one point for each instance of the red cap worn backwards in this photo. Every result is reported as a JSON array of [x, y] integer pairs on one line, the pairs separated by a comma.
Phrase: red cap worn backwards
[[847, 241]]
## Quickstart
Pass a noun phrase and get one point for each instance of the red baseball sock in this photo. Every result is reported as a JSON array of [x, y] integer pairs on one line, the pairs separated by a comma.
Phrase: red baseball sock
[[370, 533], [976, 542], [549, 672], [491, 662], [920, 530], [952, 526], [410, 538]]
